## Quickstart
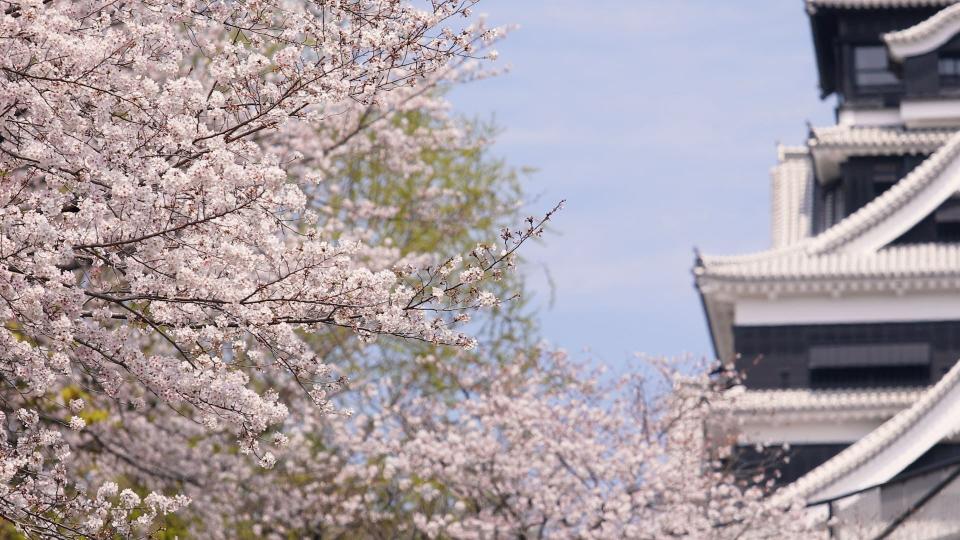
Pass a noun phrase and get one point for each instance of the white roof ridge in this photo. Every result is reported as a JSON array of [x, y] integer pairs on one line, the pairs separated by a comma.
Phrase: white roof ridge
[[835, 394], [894, 138], [756, 256], [926, 35], [805, 399], [812, 5], [849, 470], [791, 152], [896, 262]]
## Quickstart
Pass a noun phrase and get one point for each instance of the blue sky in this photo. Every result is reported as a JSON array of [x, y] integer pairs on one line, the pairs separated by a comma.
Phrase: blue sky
[[657, 122]]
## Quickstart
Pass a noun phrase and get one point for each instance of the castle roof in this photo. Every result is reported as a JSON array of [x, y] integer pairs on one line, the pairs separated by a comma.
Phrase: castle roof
[[873, 4], [875, 403], [926, 35], [856, 245], [889, 449], [937, 264], [873, 140], [853, 255]]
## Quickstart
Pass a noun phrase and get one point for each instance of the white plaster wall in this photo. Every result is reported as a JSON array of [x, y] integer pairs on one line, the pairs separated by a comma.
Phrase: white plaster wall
[[779, 431], [847, 309]]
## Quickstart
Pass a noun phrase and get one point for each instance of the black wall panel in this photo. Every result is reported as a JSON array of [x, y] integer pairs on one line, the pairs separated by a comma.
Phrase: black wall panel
[[779, 356]]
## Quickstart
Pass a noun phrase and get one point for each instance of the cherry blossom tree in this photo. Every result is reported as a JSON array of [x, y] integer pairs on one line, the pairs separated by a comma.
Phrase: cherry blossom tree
[[157, 244], [201, 241], [539, 447]]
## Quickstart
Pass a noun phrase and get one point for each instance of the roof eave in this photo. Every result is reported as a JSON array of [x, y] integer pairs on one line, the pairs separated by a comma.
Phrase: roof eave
[[823, 53], [698, 263]]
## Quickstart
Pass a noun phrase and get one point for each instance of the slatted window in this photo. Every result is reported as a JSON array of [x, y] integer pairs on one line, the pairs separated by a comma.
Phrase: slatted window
[[885, 175], [883, 354], [948, 66], [869, 365]]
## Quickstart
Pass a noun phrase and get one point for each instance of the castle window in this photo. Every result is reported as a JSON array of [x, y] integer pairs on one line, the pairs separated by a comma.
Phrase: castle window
[[871, 67], [947, 219], [885, 175], [948, 67], [869, 365]]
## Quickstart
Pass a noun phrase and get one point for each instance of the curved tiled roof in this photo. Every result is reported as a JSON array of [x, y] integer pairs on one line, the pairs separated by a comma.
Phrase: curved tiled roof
[[805, 400], [785, 152], [906, 203], [896, 198], [906, 261], [832, 146], [879, 140], [813, 4], [707, 263], [906, 437], [925, 36]]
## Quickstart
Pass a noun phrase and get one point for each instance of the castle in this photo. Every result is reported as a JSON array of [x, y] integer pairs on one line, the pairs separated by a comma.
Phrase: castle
[[848, 328]]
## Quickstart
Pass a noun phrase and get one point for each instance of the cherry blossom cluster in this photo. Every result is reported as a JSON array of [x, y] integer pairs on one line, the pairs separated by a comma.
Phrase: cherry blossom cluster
[[37, 496], [162, 244], [541, 447], [536, 446]]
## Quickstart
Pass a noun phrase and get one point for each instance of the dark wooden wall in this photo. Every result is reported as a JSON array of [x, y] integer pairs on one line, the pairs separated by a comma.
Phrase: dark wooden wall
[[779, 356]]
